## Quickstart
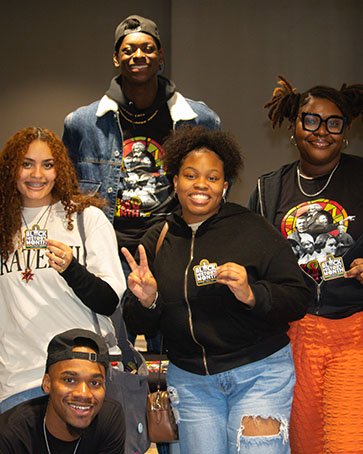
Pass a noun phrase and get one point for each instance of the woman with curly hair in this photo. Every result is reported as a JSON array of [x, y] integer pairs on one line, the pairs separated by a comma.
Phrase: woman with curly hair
[[58, 259], [221, 288], [327, 410]]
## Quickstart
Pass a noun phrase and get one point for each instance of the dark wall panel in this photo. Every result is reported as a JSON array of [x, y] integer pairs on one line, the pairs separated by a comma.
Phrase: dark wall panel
[[228, 54], [57, 56]]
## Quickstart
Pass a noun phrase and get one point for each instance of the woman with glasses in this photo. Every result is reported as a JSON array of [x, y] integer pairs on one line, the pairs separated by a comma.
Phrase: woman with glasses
[[327, 343]]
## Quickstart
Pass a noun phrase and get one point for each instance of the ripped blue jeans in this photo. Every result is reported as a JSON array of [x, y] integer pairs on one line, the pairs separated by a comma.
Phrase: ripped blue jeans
[[210, 408]]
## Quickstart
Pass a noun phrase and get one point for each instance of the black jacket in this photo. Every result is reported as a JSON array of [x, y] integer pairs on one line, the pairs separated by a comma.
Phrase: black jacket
[[206, 329], [337, 298]]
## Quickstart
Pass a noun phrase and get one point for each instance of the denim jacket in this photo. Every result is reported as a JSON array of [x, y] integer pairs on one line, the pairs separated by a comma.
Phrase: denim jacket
[[94, 139]]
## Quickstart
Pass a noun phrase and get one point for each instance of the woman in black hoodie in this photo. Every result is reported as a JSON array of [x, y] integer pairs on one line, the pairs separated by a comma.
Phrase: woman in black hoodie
[[221, 288]]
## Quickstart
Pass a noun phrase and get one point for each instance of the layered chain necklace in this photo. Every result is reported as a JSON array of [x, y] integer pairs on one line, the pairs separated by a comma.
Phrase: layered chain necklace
[[310, 178], [132, 120], [34, 239], [46, 439]]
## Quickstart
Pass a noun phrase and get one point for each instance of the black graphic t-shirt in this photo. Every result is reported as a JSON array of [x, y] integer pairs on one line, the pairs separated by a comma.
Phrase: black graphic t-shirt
[[322, 228], [145, 194]]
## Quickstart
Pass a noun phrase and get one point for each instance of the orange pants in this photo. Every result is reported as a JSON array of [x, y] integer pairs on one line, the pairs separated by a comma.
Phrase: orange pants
[[327, 409]]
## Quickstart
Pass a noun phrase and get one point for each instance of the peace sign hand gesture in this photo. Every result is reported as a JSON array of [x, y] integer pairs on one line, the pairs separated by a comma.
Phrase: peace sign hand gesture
[[141, 281]]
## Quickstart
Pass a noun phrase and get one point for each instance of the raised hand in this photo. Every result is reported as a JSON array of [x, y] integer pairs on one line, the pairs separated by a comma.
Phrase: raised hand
[[141, 281], [235, 277], [59, 255]]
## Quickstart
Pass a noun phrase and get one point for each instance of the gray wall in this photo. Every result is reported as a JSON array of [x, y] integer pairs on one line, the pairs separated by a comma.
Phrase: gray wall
[[228, 53], [57, 56]]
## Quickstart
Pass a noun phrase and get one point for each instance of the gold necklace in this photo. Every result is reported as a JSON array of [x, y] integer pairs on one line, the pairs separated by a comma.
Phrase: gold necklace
[[322, 189], [137, 115], [27, 273]]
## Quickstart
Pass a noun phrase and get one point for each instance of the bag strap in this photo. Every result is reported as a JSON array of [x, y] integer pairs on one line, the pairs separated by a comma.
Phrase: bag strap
[[158, 386], [158, 246], [161, 238], [109, 338], [80, 225]]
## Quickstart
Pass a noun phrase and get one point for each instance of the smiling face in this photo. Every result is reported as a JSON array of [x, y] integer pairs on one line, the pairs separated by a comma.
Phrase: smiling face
[[319, 150], [76, 389], [200, 185], [138, 58], [36, 175]]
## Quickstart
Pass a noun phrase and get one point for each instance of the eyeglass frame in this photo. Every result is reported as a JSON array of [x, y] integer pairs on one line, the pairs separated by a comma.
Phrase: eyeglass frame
[[304, 114]]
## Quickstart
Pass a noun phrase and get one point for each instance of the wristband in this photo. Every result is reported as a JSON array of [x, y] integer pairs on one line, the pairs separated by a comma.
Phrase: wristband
[[153, 305]]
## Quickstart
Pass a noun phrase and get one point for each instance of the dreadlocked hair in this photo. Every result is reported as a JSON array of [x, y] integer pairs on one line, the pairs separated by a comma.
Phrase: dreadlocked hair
[[353, 94], [66, 188], [286, 102]]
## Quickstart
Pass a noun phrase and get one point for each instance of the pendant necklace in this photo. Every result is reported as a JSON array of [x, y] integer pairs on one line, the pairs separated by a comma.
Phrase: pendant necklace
[[34, 238], [310, 178], [46, 439], [141, 122]]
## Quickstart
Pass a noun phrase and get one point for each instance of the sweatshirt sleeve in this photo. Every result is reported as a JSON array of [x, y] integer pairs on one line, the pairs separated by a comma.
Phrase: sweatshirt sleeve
[[280, 292], [100, 282], [90, 289]]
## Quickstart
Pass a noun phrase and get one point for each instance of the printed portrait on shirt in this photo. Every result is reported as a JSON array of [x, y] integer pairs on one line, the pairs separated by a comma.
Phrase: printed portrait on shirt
[[316, 230]]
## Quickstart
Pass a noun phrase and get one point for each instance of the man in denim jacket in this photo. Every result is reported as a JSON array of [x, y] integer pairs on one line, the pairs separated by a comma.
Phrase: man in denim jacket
[[115, 142]]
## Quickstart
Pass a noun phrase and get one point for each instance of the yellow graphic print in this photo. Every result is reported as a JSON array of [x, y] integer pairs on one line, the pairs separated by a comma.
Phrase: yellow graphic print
[[316, 230]]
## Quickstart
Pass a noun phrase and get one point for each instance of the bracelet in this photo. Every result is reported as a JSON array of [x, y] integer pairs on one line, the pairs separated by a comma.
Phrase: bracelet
[[153, 306]]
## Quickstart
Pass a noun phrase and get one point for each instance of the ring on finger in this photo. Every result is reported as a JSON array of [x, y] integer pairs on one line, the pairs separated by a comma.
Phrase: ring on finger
[[63, 263], [64, 254]]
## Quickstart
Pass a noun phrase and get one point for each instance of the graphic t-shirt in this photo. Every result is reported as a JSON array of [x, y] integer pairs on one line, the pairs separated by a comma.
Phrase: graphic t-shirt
[[144, 185], [322, 228], [145, 194]]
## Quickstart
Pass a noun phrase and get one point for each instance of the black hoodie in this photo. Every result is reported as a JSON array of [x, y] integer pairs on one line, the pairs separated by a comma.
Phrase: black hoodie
[[206, 329]]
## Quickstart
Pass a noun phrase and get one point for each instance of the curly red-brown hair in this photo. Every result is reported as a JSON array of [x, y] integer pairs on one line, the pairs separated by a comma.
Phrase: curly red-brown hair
[[66, 188]]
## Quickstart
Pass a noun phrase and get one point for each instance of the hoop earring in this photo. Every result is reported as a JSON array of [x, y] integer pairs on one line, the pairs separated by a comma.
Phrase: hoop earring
[[293, 140], [345, 143]]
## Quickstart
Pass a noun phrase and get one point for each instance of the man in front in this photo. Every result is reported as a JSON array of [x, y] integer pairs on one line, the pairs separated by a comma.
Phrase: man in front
[[74, 417]]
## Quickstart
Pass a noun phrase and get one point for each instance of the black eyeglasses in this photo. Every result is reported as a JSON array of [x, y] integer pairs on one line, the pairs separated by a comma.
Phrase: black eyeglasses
[[312, 122]]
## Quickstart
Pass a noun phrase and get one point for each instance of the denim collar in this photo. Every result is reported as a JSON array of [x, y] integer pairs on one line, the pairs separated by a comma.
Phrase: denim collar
[[178, 106]]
